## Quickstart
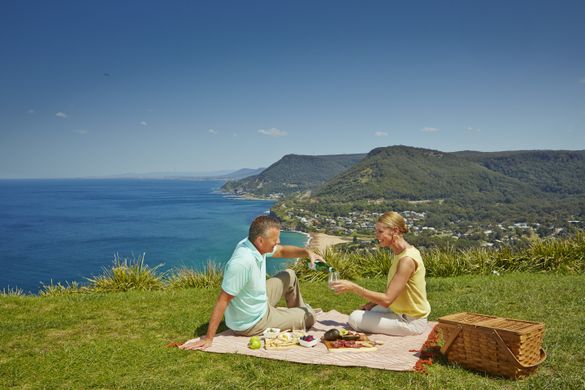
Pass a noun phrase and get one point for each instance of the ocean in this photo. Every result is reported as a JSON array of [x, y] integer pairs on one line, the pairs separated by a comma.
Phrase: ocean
[[67, 230]]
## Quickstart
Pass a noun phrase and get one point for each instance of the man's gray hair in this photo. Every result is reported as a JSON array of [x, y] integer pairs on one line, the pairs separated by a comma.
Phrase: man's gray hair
[[261, 225]]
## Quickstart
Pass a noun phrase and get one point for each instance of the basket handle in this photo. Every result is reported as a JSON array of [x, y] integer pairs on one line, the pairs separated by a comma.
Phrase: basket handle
[[514, 359], [451, 338]]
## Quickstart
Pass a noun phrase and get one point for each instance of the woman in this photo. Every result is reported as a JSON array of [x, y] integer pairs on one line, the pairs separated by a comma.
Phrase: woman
[[403, 308]]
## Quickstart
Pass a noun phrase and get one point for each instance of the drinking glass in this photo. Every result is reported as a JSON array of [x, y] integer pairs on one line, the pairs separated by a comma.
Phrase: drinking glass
[[333, 277], [299, 329]]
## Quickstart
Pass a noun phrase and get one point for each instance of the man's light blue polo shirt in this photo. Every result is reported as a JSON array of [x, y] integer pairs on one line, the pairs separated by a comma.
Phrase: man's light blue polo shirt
[[245, 279]]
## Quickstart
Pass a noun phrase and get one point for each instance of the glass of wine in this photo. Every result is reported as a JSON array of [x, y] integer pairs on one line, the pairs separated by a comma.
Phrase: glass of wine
[[333, 277]]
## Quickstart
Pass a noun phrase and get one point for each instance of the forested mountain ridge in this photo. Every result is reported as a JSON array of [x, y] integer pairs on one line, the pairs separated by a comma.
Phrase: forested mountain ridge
[[413, 174], [552, 171], [407, 173], [293, 174]]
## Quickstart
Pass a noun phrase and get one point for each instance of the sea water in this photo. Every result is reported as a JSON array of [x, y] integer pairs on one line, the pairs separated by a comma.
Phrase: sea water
[[67, 230]]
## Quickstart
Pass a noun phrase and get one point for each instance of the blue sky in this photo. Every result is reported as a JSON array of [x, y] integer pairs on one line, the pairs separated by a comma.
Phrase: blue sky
[[99, 88]]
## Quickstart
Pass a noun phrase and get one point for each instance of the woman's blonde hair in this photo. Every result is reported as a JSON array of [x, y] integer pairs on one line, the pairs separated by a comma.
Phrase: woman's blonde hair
[[392, 219]]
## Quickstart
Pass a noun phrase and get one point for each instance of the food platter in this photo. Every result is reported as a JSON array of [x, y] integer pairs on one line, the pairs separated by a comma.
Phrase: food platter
[[341, 346], [283, 340], [335, 340], [348, 341]]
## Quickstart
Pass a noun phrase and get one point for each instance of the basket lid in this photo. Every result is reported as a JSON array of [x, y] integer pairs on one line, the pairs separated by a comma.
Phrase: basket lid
[[475, 319]]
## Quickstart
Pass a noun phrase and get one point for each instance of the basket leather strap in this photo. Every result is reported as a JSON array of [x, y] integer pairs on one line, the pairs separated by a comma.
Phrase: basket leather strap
[[515, 360], [451, 338]]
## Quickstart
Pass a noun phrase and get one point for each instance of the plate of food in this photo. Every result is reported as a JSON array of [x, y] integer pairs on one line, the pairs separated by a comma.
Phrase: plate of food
[[350, 346], [284, 340], [343, 340], [308, 341]]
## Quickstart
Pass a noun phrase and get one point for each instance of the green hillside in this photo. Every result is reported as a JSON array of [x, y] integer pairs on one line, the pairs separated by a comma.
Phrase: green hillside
[[462, 195], [552, 171], [293, 174], [401, 172]]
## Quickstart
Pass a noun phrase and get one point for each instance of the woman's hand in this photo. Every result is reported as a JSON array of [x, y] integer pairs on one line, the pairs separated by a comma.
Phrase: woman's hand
[[343, 286]]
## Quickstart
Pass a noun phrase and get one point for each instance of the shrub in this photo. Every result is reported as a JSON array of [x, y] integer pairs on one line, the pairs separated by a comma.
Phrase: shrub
[[549, 255], [187, 278], [11, 292], [60, 289], [127, 275]]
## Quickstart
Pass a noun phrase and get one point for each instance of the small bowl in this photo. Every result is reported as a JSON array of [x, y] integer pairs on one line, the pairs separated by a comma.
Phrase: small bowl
[[309, 344], [271, 333]]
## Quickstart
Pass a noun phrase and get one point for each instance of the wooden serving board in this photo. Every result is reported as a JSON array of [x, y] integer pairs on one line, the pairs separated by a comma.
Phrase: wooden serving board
[[368, 346], [281, 348]]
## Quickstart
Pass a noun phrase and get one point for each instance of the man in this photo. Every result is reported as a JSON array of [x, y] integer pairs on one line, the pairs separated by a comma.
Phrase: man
[[247, 298]]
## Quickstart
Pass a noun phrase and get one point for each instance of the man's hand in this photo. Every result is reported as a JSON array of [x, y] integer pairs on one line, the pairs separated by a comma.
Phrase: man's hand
[[291, 251], [202, 343], [314, 257], [205, 341], [368, 306]]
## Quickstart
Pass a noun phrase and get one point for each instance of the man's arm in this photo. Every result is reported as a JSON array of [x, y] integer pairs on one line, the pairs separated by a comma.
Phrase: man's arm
[[220, 305], [290, 251]]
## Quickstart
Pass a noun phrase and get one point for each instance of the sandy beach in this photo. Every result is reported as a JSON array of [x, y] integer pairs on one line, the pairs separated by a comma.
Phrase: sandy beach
[[322, 241]]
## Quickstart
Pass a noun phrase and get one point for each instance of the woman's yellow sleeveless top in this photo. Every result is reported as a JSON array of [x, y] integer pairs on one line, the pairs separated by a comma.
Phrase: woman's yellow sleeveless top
[[413, 299]]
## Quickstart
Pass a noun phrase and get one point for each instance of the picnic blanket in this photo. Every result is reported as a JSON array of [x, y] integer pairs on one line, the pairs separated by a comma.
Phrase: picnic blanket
[[396, 354]]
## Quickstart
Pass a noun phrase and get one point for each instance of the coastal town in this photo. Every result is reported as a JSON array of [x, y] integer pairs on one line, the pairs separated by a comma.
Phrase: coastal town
[[358, 227]]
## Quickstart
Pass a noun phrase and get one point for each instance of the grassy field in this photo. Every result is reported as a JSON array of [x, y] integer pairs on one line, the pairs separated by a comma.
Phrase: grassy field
[[117, 340]]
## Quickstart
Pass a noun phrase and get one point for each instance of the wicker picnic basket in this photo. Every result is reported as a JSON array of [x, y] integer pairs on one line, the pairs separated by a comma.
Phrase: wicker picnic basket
[[499, 346]]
